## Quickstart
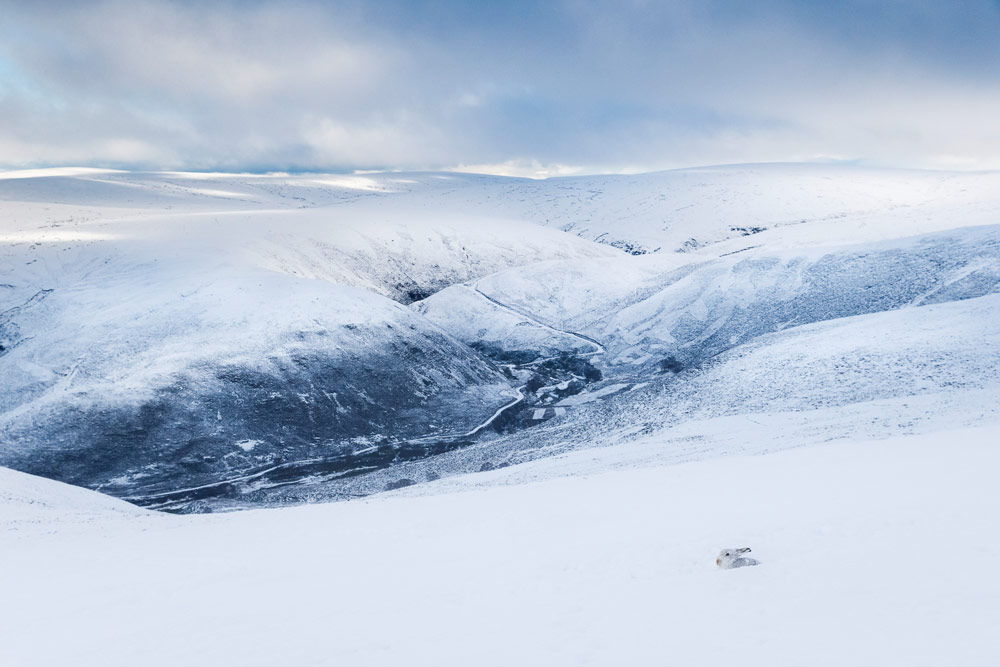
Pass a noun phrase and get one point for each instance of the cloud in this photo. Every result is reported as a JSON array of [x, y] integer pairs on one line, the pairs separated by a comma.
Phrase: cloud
[[531, 88]]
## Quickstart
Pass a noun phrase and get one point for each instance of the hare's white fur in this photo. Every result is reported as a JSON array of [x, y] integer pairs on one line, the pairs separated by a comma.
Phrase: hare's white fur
[[730, 558]]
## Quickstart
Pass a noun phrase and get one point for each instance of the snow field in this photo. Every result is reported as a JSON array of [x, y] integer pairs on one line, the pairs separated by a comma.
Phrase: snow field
[[873, 553]]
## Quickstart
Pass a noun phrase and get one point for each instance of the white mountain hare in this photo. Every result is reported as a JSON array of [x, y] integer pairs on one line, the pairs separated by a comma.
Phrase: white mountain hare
[[730, 558]]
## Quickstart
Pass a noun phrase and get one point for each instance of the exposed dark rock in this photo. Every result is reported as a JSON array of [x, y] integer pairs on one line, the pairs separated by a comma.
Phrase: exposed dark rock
[[671, 365]]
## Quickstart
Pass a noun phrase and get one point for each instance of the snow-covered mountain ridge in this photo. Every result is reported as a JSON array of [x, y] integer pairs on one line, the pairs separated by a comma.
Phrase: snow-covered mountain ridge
[[226, 340]]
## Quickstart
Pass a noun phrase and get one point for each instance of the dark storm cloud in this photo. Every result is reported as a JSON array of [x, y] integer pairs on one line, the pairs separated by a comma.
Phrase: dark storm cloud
[[600, 85]]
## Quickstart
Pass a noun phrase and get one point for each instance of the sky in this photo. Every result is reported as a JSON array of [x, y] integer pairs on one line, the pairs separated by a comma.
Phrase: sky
[[521, 88]]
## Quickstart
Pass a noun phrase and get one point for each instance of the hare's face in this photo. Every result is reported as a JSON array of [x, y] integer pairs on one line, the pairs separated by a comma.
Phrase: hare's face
[[727, 556]]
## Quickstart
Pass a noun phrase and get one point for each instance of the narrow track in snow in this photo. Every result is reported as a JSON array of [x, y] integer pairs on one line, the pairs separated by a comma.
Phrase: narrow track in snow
[[598, 346]]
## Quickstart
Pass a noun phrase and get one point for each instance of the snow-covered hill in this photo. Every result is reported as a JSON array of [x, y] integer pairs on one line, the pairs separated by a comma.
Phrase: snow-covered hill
[[135, 389], [174, 331], [235, 339], [908, 371], [37, 505], [649, 309]]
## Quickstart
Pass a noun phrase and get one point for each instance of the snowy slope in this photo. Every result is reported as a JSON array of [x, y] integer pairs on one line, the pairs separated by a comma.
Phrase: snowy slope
[[35, 505], [694, 209], [164, 331], [871, 553], [129, 387], [911, 370], [732, 300], [575, 296], [648, 309], [686, 209], [472, 317], [344, 229]]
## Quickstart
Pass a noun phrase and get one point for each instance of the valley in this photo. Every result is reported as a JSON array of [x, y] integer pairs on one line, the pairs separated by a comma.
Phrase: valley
[[206, 342]]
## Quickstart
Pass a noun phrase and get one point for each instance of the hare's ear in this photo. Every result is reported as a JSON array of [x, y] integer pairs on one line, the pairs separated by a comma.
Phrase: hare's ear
[[745, 550]]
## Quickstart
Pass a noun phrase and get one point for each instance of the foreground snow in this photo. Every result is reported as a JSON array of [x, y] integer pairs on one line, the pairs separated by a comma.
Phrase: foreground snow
[[873, 553]]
